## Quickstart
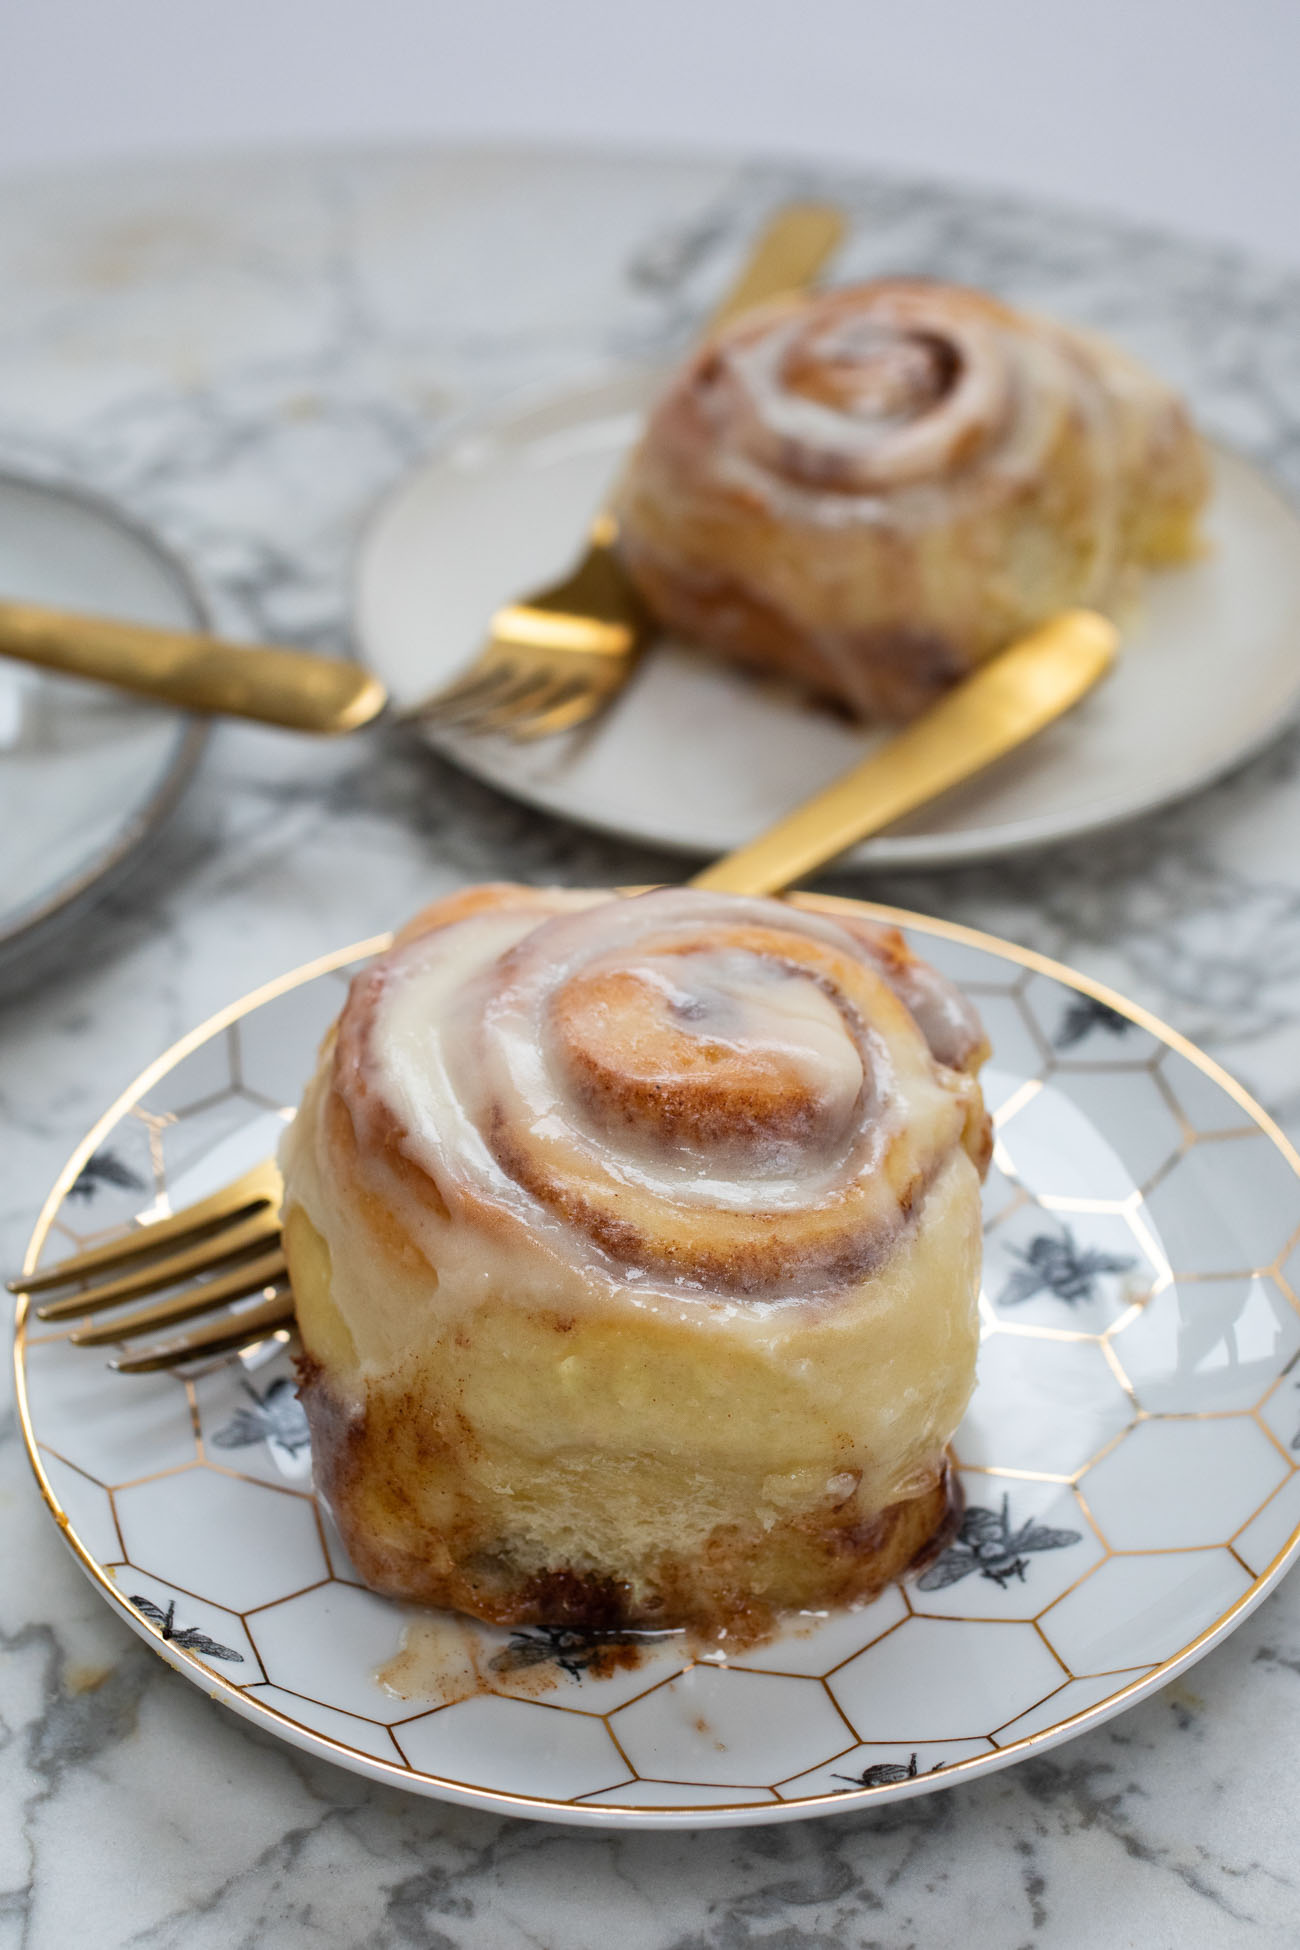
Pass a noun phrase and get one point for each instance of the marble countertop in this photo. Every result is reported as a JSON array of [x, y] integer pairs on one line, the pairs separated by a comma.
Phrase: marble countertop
[[245, 354]]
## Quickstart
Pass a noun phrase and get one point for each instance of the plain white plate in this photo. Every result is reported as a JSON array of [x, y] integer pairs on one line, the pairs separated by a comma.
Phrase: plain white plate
[[86, 773], [1130, 1461], [699, 757]]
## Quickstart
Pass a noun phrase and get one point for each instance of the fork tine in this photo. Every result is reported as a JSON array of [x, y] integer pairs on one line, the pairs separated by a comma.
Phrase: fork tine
[[521, 709], [256, 1188], [577, 701], [484, 667], [238, 1242], [217, 1337], [269, 1270], [500, 711], [465, 698]]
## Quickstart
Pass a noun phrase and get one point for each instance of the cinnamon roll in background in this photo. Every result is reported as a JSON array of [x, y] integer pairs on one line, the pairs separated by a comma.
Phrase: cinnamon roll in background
[[636, 1247], [872, 489]]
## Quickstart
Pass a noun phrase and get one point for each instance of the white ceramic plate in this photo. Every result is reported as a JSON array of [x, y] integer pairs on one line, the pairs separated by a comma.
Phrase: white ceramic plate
[[85, 773], [1131, 1459], [697, 756]]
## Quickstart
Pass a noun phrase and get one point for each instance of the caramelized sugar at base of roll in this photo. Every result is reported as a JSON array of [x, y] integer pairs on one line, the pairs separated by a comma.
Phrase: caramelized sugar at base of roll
[[872, 489], [636, 1245]]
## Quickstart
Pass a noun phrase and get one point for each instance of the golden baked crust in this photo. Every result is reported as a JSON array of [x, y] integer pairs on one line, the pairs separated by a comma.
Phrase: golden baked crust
[[872, 489], [635, 1242]]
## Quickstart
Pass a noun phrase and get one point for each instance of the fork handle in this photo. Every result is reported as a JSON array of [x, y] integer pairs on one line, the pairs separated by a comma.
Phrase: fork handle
[[792, 248], [1001, 704], [291, 688]]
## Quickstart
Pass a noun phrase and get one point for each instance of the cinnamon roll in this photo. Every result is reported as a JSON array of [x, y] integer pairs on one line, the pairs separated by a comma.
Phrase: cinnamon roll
[[872, 489], [635, 1241]]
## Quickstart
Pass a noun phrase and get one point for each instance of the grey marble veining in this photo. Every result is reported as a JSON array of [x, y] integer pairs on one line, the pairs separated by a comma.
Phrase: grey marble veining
[[245, 354]]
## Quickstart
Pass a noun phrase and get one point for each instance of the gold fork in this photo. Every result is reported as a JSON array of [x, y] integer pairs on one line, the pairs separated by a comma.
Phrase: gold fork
[[234, 1235], [556, 657]]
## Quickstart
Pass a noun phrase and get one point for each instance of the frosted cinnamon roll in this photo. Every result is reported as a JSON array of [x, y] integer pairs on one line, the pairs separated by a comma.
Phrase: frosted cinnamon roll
[[872, 489], [636, 1243]]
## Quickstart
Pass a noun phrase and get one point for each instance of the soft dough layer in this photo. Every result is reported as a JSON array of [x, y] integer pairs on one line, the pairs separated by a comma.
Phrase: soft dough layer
[[873, 488], [635, 1244]]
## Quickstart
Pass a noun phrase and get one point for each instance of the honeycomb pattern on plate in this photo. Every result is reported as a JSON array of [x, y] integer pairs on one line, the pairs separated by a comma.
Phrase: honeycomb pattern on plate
[[1130, 1461]]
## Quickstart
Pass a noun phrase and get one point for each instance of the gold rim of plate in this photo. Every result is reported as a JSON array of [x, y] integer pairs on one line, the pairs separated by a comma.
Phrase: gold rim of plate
[[711, 1813]]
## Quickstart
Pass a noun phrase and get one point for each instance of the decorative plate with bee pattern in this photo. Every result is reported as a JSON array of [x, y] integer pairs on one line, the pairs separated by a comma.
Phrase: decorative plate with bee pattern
[[1130, 1461]]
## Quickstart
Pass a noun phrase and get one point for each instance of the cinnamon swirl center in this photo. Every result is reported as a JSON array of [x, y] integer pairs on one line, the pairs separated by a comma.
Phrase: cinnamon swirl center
[[865, 392], [864, 369], [723, 1054]]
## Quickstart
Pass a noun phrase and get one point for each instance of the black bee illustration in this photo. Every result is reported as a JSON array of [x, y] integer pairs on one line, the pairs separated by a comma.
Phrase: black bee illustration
[[276, 1416], [104, 1168], [1056, 1263], [885, 1773], [573, 1652], [188, 1636], [986, 1543], [1083, 1014]]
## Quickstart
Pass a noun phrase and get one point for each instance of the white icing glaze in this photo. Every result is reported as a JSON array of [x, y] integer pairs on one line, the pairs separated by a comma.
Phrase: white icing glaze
[[414, 1030], [431, 1070], [462, 1051], [736, 1001], [886, 459], [879, 441]]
